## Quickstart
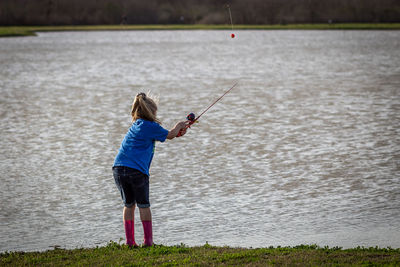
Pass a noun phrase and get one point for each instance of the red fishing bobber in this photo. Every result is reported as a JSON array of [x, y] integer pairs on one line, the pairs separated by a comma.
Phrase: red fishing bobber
[[233, 35]]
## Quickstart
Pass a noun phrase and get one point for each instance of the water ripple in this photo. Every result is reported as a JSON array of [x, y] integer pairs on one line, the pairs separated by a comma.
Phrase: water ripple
[[304, 150]]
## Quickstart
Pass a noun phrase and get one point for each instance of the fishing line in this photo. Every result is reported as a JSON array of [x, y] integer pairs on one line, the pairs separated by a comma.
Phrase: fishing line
[[191, 117], [230, 16]]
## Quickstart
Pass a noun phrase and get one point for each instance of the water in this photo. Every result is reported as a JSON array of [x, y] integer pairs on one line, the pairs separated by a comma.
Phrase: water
[[306, 149]]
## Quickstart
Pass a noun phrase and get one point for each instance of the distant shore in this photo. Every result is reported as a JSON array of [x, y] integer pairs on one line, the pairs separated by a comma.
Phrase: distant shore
[[115, 254], [12, 31]]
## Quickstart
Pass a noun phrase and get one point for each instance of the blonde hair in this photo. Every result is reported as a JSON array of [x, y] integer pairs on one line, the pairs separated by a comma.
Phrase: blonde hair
[[144, 107]]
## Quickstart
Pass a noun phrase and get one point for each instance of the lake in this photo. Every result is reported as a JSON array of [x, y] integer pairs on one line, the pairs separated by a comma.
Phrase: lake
[[305, 150]]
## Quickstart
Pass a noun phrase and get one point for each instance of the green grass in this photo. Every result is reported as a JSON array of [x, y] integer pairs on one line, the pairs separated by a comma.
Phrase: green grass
[[6, 31], [115, 254]]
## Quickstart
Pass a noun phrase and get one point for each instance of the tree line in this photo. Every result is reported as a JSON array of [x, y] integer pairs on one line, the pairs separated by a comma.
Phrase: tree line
[[92, 12]]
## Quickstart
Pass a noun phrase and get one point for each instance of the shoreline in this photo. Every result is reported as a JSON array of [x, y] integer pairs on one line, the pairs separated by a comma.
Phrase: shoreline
[[18, 31], [207, 255]]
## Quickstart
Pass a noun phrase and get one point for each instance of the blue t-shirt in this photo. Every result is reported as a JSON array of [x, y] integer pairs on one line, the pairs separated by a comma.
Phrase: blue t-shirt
[[137, 148]]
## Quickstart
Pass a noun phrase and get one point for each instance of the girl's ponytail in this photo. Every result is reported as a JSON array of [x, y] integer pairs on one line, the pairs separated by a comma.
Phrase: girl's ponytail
[[144, 107]]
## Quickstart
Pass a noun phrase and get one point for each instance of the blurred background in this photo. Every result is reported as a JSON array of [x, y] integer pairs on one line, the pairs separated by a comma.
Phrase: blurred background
[[76, 12]]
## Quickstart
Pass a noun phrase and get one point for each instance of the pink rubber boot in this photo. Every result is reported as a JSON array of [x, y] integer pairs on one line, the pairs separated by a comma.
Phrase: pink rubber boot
[[148, 233], [130, 233]]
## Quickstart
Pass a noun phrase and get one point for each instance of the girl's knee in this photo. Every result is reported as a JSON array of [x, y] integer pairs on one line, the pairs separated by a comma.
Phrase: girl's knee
[[141, 209], [130, 207]]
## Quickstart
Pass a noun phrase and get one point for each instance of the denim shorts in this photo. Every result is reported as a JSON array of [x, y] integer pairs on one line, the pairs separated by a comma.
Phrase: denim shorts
[[133, 186]]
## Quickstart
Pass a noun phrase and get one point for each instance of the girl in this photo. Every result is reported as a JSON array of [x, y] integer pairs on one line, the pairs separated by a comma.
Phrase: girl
[[132, 163]]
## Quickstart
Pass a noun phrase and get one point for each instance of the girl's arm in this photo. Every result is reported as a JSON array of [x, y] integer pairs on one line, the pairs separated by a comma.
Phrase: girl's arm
[[174, 131]]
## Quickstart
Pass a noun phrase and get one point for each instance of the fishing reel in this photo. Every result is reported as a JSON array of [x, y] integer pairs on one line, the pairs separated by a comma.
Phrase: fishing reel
[[190, 117]]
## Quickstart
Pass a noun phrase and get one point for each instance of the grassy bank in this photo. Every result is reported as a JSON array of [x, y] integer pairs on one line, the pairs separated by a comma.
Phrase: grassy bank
[[115, 254], [31, 30]]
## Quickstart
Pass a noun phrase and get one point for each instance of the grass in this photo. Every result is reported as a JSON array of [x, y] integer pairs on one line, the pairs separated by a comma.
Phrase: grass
[[115, 254], [7, 31]]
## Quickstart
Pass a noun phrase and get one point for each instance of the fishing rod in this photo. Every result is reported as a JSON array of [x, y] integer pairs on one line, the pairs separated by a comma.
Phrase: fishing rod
[[192, 118]]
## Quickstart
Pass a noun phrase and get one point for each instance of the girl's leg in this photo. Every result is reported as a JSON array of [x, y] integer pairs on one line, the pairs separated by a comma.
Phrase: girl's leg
[[145, 217], [145, 214], [129, 224], [129, 213]]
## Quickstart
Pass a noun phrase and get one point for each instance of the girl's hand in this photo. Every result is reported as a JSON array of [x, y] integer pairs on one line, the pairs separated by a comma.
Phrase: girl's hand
[[182, 132], [182, 125]]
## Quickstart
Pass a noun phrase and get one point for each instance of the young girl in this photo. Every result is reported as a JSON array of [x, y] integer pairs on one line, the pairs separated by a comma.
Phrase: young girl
[[132, 163]]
